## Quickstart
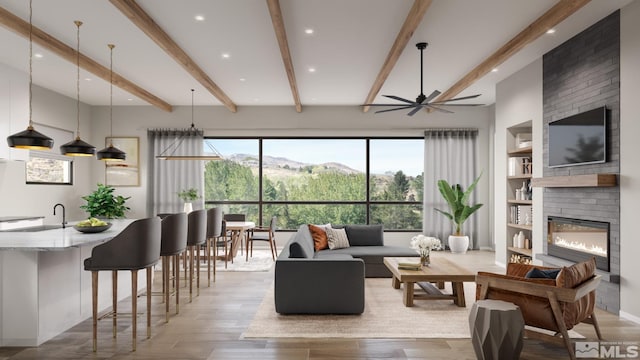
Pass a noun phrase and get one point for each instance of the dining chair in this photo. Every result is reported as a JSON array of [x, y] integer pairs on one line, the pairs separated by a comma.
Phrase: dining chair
[[267, 234], [173, 243], [196, 237], [237, 217], [134, 248]]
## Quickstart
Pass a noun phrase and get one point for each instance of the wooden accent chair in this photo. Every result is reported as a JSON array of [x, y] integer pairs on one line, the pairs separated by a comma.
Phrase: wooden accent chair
[[267, 234], [552, 304]]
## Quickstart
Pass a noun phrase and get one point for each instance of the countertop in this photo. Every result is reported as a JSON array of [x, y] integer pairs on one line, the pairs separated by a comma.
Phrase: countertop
[[58, 239], [19, 218]]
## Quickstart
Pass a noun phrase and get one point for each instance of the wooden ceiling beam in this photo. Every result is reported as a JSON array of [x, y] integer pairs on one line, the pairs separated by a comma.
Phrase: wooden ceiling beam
[[48, 42], [555, 15], [281, 35], [414, 18], [144, 22]]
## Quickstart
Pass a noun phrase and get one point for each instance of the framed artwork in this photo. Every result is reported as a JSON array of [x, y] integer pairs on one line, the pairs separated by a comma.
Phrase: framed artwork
[[127, 172]]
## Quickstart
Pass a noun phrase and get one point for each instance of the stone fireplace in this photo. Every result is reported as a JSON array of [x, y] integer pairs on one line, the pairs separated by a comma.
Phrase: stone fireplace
[[578, 240]]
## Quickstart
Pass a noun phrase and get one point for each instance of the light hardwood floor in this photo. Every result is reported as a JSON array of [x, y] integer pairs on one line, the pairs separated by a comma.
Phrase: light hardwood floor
[[211, 327]]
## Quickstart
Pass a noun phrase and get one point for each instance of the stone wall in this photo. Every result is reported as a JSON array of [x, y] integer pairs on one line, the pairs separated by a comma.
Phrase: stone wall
[[579, 75]]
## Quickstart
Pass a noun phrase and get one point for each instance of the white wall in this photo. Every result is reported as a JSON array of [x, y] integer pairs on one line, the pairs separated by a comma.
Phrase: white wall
[[18, 198], [629, 169], [518, 99], [284, 121]]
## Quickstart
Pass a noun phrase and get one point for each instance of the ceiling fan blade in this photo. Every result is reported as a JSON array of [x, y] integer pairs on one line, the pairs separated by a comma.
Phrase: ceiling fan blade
[[445, 104], [432, 96], [458, 99], [412, 105], [394, 109], [414, 111], [399, 99], [439, 109]]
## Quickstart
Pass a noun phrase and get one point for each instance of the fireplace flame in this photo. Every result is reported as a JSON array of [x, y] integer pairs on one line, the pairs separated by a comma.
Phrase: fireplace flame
[[580, 246]]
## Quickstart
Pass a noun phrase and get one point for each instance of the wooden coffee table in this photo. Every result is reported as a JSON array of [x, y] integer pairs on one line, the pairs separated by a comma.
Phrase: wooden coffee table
[[441, 270]]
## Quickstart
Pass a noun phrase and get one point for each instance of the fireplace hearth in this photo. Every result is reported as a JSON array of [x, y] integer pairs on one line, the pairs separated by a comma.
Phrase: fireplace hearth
[[578, 240]]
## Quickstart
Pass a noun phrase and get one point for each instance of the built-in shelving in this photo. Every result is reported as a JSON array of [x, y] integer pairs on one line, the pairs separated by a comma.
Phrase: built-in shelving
[[521, 251], [586, 180], [521, 227], [520, 151], [519, 207]]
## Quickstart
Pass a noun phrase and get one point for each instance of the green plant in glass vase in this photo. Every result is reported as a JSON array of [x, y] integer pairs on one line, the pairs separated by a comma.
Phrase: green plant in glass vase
[[189, 195], [103, 203]]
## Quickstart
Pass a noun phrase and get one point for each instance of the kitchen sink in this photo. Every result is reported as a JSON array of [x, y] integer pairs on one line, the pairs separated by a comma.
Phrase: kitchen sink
[[34, 228]]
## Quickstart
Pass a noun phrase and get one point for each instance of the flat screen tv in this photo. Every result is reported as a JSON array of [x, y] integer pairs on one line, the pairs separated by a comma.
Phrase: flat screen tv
[[578, 139]]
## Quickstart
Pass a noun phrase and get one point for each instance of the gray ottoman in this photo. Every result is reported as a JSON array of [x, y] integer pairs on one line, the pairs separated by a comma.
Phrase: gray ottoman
[[496, 329]]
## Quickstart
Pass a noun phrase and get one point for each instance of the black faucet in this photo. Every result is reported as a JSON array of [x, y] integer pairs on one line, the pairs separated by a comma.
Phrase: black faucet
[[64, 215]]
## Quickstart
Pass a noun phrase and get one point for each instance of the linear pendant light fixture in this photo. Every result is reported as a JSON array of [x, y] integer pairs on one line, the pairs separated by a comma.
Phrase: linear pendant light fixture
[[78, 147], [30, 138], [169, 152], [111, 153]]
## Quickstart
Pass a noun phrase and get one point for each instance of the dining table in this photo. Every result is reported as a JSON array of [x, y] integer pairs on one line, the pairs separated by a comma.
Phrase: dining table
[[238, 230]]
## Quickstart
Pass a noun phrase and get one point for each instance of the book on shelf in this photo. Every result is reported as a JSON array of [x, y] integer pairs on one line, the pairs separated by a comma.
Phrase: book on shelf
[[521, 214], [519, 165], [409, 266]]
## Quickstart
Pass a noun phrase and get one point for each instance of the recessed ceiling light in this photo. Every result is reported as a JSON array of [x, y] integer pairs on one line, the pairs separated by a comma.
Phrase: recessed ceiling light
[[308, 31], [243, 79], [38, 55], [494, 70], [226, 55], [551, 31], [311, 69], [87, 79], [129, 99], [199, 17]]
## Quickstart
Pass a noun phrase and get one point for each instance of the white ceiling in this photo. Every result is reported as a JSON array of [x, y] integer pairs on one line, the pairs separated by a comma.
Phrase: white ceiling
[[350, 43]]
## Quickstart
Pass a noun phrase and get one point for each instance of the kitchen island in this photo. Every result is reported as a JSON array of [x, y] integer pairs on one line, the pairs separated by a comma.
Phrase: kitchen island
[[44, 289]]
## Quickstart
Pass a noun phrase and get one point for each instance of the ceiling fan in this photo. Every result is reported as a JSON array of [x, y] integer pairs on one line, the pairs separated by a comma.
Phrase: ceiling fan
[[423, 101]]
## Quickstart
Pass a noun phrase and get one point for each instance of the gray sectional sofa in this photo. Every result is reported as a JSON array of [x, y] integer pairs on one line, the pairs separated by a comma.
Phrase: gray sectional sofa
[[331, 281]]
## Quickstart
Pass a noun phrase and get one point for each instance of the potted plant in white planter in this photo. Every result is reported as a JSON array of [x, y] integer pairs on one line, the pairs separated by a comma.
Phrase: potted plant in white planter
[[102, 203], [188, 196], [459, 211]]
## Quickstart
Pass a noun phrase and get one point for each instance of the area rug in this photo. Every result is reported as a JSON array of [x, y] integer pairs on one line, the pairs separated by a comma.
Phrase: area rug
[[385, 316], [260, 261]]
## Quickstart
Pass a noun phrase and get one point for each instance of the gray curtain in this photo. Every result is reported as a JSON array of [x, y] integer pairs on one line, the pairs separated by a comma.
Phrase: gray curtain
[[449, 154], [168, 177]]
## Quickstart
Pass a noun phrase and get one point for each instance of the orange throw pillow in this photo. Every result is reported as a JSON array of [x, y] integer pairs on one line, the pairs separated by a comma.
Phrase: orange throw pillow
[[319, 235]]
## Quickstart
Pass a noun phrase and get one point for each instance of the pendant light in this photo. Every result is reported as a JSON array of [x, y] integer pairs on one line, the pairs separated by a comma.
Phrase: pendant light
[[111, 152], [30, 138], [78, 147], [169, 152]]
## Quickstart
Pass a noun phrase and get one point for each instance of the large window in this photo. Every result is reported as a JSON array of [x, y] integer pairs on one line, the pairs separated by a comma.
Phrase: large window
[[319, 180], [50, 167]]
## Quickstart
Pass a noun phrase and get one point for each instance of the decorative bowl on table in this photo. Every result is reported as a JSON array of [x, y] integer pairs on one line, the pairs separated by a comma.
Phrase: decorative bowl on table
[[91, 229]]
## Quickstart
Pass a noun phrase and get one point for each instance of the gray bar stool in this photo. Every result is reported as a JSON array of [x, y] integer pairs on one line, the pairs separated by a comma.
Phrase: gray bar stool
[[214, 232], [196, 237], [173, 243], [134, 248]]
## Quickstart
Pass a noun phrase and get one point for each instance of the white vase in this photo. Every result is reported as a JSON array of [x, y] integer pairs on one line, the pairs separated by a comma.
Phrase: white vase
[[188, 207], [458, 244]]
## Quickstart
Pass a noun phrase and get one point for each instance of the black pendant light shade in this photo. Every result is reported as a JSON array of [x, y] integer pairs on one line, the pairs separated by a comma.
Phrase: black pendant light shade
[[77, 147], [30, 139], [111, 153]]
